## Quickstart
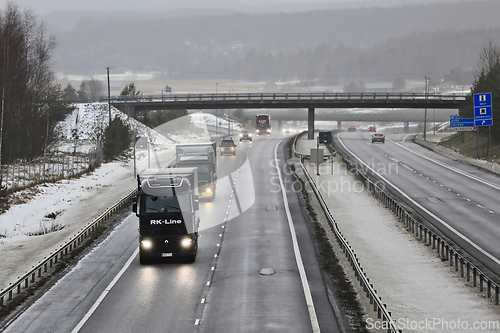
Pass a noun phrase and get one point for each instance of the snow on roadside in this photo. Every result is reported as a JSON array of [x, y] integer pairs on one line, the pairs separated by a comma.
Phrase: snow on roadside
[[69, 205], [414, 283]]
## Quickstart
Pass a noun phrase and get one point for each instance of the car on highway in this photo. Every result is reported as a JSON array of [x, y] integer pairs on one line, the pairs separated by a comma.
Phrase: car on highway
[[245, 135], [227, 147], [372, 129], [378, 137], [351, 129], [288, 130]]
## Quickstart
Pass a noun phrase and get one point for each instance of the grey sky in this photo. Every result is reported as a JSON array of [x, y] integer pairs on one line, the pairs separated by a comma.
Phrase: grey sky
[[41, 7]]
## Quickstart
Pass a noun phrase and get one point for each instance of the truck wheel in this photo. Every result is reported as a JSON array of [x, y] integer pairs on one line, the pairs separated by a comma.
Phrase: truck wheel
[[143, 259], [191, 257]]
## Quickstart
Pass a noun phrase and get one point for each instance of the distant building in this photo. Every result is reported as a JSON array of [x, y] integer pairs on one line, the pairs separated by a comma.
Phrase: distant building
[[369, 87], [379, 86], [353, 88]]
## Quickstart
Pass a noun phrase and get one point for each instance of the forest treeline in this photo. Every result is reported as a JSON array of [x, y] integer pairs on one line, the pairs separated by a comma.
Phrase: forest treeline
[[31, 104], [335, 46]]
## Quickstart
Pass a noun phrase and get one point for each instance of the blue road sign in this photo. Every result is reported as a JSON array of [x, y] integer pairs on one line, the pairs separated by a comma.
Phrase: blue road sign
[[483, 99], [455, 121], [483, 122], [462, 124], [483, 109]]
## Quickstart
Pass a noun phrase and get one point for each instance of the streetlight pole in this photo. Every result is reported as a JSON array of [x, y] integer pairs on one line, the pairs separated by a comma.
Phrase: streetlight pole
[[229, 117], [216, 112], [425, 114], [109, 97]]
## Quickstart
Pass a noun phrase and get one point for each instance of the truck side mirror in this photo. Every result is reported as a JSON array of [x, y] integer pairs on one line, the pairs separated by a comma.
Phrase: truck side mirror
[[134, 205]]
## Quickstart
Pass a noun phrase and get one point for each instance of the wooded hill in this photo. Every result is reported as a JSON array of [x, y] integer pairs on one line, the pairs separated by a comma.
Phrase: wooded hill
[[334, 46]]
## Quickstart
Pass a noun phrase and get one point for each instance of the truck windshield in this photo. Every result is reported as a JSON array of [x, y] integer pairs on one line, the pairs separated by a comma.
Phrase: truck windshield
[[167, 204]]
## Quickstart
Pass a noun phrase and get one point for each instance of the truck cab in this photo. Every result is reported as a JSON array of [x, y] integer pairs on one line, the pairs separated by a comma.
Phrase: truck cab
[[167, 206]]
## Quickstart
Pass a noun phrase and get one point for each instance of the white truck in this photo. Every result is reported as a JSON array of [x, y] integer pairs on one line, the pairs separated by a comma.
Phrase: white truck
[[204, 157], [167, 206]]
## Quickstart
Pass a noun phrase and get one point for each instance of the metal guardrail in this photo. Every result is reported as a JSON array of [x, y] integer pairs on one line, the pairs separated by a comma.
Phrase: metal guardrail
[[43, 268], [446, 251], [379, 307], [207, 97]]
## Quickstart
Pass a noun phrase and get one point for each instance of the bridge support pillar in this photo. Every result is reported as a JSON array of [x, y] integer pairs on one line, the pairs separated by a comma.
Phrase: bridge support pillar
[[279, 126], [130, 111], [310, 124], [339, 124]]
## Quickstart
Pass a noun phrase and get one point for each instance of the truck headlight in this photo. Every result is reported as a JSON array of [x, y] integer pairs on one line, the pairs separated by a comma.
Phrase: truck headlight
[[209, 190], [186, 242], [146, 244]]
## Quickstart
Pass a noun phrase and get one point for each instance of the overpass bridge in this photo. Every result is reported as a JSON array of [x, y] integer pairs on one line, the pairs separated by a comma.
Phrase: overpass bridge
[[132, 105]]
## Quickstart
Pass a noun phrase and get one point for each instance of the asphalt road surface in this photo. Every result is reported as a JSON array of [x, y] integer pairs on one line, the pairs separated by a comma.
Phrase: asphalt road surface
[[247, 276], [460, 200]]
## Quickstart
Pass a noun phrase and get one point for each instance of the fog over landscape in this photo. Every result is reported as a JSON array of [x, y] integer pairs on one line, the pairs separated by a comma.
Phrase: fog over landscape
[[311, 43]]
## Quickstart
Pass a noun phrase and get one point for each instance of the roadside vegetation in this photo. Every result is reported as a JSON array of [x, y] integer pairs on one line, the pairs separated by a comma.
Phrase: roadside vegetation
[[31, 103], [486, 80]]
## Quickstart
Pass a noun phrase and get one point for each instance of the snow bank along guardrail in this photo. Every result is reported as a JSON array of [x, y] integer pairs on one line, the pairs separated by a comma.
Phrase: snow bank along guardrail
[[445, 250], [38, 272], [378, 307]]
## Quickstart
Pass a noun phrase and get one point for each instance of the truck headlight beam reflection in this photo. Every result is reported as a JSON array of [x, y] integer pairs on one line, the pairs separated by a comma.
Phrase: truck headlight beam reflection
[[146, 244], [186, 242]]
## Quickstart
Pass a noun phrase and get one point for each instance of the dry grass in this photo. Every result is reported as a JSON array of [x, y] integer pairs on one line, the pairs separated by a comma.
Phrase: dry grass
[[466, 144]]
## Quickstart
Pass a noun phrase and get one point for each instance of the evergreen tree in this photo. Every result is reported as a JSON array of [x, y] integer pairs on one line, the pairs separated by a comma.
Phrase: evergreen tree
[[130, 90], [117, 138], [70, 93], [487, 80]]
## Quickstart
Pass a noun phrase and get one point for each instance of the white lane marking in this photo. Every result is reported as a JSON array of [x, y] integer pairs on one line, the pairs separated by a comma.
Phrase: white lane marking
[[105, 292], [450, 167], [480, 249], [296, 250]]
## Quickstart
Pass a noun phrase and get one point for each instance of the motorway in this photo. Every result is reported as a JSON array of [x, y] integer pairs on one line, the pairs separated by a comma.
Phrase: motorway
[[460, 200], [256, 269]]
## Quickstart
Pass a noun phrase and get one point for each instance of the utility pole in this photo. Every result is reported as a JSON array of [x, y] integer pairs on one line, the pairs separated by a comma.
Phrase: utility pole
[[425, 114], [109, 98]]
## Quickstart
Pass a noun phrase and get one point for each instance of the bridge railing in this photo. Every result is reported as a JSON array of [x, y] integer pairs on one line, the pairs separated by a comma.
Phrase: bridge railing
[[208, 97]]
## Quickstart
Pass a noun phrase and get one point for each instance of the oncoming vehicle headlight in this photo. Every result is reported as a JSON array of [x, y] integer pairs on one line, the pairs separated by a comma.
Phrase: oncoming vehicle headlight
[[241, 135], [146, 244], [232, 148], [186, 242]]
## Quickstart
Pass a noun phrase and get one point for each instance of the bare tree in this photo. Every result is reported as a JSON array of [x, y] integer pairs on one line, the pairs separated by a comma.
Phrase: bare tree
[[31, 103], [95, 89]]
